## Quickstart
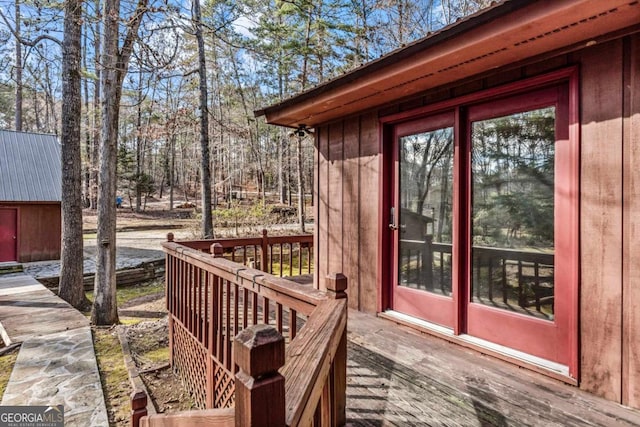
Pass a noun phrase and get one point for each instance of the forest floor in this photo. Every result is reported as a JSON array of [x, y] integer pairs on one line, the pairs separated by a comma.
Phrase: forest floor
[[246, 217], [143, 323]]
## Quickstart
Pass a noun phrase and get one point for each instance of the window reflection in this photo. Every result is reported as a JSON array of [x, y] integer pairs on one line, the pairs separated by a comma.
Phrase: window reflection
[[513, 212], [426, 187]]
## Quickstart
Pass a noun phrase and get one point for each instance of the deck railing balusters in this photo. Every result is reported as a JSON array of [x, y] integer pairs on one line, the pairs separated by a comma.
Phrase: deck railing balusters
[[254, 306], [490, 278], [520, 285], [293, 324], [505, 288], [210, 302], [236, 309], [265, 310], [245, 307], [279, 317], [291, 259]]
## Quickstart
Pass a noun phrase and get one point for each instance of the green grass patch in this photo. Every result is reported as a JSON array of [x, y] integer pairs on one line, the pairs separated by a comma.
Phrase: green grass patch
[[126, 294], [157, 355], [113, 376], [6, 367], [284, 265], [131, 320]]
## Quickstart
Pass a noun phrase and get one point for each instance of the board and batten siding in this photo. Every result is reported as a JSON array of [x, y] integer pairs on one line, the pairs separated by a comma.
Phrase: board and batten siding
[[631, 227], [348, 192], [39, 230]]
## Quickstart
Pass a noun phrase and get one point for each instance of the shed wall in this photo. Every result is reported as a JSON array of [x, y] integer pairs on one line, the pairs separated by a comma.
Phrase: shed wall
[[39, 231], [348, 189]]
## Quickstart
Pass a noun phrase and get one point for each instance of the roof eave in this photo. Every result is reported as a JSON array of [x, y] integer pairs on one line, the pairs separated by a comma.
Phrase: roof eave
[[459, 27], [477, 44]]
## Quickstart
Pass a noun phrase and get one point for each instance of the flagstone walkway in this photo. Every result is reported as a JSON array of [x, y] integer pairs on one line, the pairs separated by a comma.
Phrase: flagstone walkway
[[56, 364]]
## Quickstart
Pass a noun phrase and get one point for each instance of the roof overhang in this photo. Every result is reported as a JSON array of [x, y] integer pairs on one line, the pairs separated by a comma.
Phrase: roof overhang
[[507, 33]]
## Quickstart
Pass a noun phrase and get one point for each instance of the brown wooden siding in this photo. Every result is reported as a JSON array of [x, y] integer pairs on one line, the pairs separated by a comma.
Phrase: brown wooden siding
[[351, 201], [609, 206], [631, 227], [369, 222], [39, 231], [601, 218], [322, 206]]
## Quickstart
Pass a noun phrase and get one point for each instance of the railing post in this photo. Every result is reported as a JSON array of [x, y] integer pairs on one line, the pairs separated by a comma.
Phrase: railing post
[[169, 282], [259, 395], [138, 407], [336, 288], [336, 285], [264, 248], [216, 250]]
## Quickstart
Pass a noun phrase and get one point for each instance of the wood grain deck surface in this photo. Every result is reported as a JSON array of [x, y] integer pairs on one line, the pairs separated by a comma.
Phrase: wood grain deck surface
[[399, 377]]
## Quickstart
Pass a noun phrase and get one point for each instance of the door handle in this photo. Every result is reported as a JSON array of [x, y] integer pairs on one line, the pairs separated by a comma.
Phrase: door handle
[[392, 219]]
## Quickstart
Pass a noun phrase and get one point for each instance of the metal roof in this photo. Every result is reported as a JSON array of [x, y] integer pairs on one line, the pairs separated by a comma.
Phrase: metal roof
[[30, 167]]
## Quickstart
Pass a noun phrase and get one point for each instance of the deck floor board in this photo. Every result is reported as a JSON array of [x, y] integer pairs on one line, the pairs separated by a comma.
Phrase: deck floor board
[[398, 376]]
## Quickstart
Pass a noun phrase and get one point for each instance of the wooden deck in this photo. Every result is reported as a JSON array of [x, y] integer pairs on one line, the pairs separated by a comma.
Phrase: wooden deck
[[397, 376]]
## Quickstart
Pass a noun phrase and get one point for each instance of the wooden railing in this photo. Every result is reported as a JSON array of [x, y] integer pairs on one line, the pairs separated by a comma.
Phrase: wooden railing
[[277, 255], [499, 275], [238, 335]]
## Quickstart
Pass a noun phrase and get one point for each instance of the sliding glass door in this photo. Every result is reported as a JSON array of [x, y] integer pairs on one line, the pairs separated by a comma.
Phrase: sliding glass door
[[501, 267]]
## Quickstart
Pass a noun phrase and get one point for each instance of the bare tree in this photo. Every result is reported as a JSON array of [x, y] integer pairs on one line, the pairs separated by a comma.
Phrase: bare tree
[[93, 178], [71, 287], [18, 71], [207, 219], [115, 62], [300, 176]]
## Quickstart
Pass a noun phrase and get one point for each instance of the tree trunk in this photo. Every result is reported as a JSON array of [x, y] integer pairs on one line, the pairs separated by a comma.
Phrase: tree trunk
[[18, 75], [71, 287], [281, 190], [93, 190], [86, 170], [300, 184], [114, 63], [138, 177], [105, 310], [207, 220], [172, 169]]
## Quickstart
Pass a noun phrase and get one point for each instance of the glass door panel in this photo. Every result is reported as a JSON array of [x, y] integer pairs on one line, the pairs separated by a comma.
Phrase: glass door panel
[[425, 214], [422, 219], [512, 254], [484, 222], [521, 223]]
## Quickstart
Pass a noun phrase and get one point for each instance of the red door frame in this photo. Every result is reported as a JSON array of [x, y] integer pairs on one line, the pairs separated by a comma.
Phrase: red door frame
[[17, 227], [570, 262], [502, 327], [405, 299]]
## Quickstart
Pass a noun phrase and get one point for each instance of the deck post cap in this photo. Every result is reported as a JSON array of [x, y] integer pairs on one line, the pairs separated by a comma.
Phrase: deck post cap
[[216, 250], [138, 399], [259, 350], [336, 283]]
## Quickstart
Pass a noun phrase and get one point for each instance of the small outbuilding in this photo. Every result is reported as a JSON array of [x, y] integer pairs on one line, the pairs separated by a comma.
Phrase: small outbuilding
[[517, 132], [30, 197]]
